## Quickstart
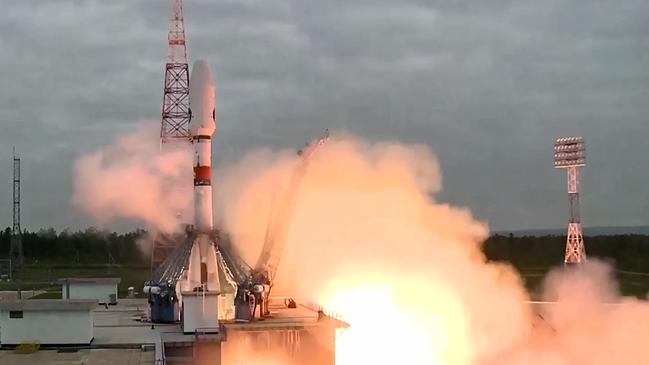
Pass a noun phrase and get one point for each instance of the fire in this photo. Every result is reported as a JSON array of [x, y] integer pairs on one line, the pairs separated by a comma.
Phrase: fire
[[397, 321]]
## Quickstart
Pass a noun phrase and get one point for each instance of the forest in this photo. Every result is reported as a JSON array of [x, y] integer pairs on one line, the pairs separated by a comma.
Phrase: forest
[[627, 251], [94, 246], [90, 246]]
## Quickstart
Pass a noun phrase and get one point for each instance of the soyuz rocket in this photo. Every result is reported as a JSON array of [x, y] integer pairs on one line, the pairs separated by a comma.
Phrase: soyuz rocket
[[202, 125], [203, 267]]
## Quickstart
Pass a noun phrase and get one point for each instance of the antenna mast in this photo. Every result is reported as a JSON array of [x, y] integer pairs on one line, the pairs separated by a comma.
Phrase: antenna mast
[[570, 154], [16, 246], [175, 102]]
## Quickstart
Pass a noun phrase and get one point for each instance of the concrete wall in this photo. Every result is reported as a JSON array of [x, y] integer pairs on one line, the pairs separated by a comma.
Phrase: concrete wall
[[200, 312], [99, 291], [47, 327]]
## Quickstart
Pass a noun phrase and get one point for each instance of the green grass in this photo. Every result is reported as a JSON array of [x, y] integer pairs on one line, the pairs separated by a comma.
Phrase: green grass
[[630, 284], [48, 295], [44, 276]]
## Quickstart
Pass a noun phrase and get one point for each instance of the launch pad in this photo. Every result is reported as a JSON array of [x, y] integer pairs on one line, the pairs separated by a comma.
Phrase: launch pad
[[291, 336], [294, 336], [219, 309]]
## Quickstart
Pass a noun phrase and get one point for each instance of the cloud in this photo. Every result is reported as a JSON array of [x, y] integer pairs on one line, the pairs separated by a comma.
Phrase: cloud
[[489, 85]]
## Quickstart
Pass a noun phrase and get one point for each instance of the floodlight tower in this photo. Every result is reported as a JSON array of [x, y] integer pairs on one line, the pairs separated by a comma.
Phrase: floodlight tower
[[570, 154]]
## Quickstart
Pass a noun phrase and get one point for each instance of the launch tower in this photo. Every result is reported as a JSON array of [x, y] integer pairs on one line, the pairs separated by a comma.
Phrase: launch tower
[[175, 110], [175, 103], [570, 154]]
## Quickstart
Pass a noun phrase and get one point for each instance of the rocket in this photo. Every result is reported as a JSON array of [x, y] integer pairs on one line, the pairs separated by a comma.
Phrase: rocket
[[203, 267], [202, 94]]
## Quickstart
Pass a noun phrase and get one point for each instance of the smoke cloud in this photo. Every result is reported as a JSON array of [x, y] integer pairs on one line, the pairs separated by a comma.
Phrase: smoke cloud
[[133, 179], [369, 241], [586, 322]]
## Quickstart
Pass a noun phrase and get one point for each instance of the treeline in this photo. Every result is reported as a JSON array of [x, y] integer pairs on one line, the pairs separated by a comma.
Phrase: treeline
[[628, 251], [88, 246]]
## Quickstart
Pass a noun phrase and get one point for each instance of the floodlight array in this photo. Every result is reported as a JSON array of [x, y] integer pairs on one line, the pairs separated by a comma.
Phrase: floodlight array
[[569, 151], [567, 140]]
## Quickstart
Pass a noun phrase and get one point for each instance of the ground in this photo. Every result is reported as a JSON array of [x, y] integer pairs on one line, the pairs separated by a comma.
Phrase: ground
[[630, 283], [83, 356], [43, 276], [40, 277], [115, 326]]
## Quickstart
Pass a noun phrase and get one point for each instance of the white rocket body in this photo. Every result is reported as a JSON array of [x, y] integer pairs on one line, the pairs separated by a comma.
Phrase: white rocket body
[[203, 266], [202, 95]]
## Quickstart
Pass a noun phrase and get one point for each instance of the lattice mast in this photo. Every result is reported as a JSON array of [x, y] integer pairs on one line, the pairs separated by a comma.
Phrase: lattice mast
[[175, 102], [175, 109], [570, 154], [16, 245]]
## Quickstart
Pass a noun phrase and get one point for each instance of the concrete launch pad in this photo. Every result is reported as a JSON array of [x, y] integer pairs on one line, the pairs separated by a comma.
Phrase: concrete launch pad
[[121, 337]]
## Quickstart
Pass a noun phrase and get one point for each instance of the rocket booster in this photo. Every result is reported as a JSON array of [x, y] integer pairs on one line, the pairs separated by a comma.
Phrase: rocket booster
[[202, 95]]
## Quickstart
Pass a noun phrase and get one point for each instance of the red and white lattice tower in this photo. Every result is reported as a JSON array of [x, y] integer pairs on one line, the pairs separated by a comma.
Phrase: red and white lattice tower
[[175, 102], [175, 111], [570, 154]]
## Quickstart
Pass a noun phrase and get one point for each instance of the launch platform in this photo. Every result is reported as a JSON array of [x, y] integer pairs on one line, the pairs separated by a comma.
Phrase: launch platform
[[298, 335]]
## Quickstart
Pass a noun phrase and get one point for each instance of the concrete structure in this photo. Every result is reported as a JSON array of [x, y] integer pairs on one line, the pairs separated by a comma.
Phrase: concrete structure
[[104, 290], [297, 335], [200, 312], [47, 321]]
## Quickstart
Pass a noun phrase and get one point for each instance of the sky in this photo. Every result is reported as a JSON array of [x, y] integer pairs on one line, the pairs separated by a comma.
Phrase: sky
[[488, 85]]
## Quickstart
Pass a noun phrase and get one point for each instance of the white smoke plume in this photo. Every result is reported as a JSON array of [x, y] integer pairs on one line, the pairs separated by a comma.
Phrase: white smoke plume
[[133, 179], [368, 240], [587, 322]]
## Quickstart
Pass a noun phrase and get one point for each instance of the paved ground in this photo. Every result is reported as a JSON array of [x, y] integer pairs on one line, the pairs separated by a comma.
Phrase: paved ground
[[12, 295], [82, 357], [122, 326], [115, 325], [118, 324]]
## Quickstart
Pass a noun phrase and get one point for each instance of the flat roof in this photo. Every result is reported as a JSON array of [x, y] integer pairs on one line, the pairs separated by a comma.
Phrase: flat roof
[[90, 280], [48, 304]]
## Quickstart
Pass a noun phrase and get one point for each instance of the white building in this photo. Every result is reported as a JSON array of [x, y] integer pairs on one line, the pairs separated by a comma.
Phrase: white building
[[47, 321], [104, 290]]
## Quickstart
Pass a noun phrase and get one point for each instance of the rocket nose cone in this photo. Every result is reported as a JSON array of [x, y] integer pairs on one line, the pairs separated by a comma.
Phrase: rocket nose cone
[[202, 95], [201, 75]]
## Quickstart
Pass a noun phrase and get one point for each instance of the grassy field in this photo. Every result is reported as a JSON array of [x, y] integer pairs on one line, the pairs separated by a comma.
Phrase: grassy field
[[45, 276], [630, 283]]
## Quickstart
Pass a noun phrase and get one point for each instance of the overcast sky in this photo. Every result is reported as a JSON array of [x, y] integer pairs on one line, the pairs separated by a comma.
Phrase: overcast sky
[[487, 84]]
